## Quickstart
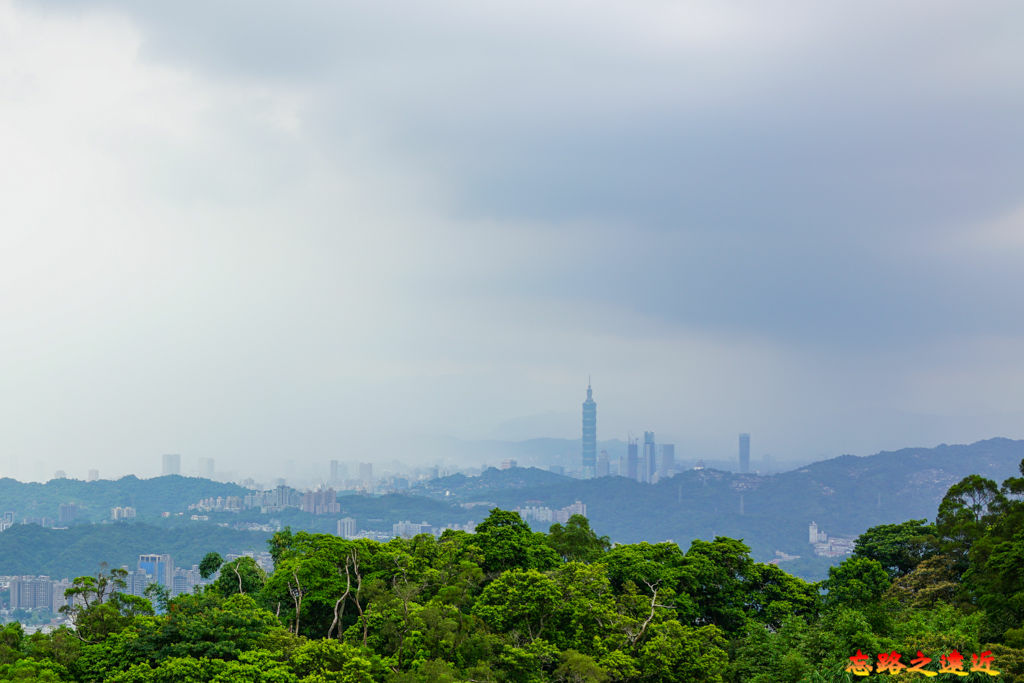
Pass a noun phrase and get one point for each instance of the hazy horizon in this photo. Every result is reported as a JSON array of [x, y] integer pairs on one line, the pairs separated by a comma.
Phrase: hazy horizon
[[273, 234]]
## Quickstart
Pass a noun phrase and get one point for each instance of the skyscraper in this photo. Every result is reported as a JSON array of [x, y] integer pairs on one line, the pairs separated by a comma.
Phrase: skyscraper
[[668, 460], [366, 473], [159, 567], [206, 468], [172, 463], [603, 464], [589, 435], [744, 453], [632, 460], [649, 465], [339, 472]]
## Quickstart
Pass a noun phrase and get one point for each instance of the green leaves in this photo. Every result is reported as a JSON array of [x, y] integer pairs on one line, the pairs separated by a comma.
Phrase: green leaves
[[576, 541]]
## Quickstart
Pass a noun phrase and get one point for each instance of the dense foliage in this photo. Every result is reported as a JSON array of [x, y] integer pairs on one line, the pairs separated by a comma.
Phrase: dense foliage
[[31, 549], [511, 604], [94, 499]]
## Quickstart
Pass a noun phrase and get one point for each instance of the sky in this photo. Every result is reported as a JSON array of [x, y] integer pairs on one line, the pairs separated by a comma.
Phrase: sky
[[279, 233]]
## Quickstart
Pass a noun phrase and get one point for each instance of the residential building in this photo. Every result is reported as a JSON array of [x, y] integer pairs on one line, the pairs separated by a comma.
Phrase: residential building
[[347, 527], [744, 453]]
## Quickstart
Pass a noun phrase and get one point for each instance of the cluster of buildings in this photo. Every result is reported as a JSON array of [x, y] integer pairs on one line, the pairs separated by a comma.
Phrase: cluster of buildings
[[35, 592], [647, 462], [825, 546], [322, 501], [546, 515], [347, 528], [122, 514], [44, 593]]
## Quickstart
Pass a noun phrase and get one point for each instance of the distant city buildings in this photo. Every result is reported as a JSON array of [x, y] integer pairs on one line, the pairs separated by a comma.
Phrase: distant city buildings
[[171, 463], [206, 468], [589, 455], [603, 464], [60, 474], [366, 474], [648, 463], [668, 461], [122, 514], [37, 592], [824, 546], [508, 463], [159, 567], [66, 513], [347, 527], [6, 520], [339, 473], [408, 529], [321, 502], [93, 475], [744, 453], [547, 515], [632, 459]]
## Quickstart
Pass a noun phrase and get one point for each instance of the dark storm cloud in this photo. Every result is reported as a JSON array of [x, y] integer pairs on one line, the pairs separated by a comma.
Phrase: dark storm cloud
[[791, 186]]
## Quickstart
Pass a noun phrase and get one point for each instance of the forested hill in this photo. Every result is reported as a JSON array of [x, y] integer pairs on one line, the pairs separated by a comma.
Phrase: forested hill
[[67, 553], [844, 495], [94, 499]]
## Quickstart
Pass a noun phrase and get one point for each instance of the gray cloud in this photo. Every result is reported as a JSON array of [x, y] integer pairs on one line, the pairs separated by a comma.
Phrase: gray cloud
[[411, 202]]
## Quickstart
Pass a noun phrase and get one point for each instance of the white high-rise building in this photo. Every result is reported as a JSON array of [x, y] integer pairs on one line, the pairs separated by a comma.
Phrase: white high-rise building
[[347, 527]]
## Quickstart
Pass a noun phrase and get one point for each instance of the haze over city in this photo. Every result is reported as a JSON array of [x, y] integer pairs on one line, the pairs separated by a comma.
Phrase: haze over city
[[295, 233]]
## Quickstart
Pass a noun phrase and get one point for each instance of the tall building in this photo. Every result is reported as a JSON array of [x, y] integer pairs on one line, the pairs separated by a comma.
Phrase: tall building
[[159, 567], [66, 513], [366, 473], [31, 592], [668, 460], [206, 468], [649, 464], [93, 475], [744, 453], [347, 527], [603, 464], [589, 435], [172, 463], [339, 472], [632, 460]]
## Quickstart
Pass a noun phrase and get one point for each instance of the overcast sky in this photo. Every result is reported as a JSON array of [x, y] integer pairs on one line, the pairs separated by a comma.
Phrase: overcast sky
[[294, 231]]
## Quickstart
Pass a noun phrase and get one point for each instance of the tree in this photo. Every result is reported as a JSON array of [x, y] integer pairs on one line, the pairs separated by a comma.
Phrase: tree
[[683, 653], [507, 542], [209, 565], [525, 603], [856, 582], [898, 547], [94, 619], [241, 575], [965, 512], [576, 541]]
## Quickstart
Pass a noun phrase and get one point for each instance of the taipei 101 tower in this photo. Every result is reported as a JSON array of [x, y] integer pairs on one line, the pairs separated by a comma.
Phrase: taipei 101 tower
[[589, 435]]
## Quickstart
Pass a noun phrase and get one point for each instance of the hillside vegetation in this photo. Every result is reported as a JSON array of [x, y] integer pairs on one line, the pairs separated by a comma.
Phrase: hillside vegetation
[[511, 604]]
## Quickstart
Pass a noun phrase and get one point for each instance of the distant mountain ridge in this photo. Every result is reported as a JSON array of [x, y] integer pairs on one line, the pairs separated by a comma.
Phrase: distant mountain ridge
[[94, 499]]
